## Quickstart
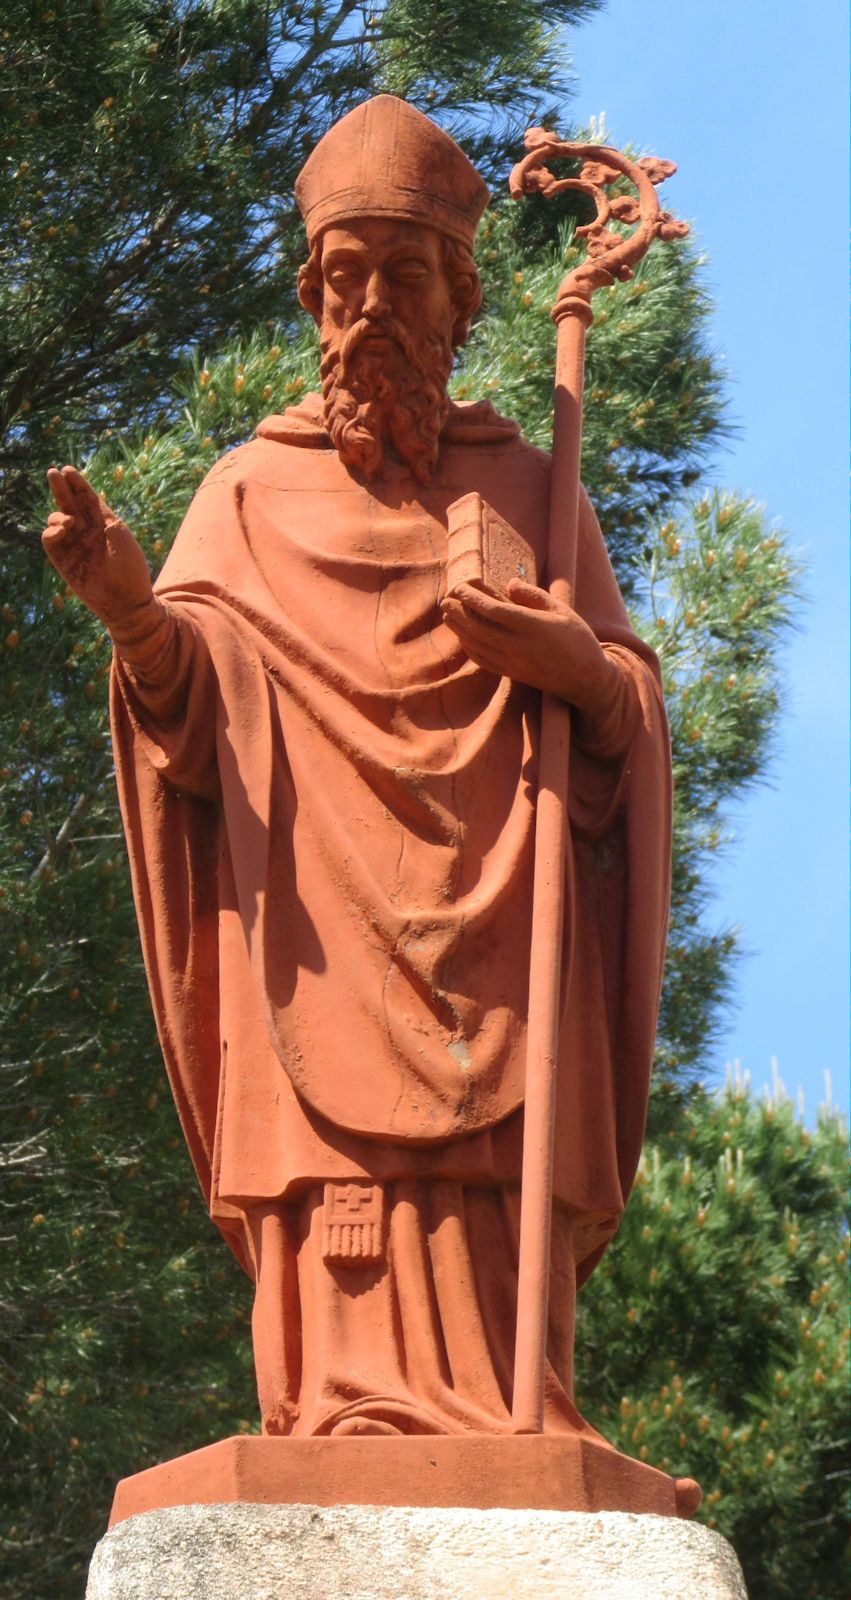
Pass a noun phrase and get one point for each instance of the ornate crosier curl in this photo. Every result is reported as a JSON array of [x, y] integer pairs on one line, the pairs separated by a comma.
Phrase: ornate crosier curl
[[610, 255]]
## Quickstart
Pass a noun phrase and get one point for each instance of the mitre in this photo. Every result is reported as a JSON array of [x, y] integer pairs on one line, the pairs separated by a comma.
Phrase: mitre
[[385, 159]]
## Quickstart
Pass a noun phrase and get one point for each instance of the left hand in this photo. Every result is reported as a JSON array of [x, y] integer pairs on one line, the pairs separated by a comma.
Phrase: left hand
[[536, 640]]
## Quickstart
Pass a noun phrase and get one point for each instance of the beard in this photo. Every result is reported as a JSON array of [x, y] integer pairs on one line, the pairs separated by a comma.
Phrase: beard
[[384, 395]]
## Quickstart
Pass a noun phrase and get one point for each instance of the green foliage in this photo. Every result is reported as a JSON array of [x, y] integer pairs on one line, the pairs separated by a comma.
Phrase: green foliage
[[111, 1355], [150, 174], [507, 54], [654, 403], [730, 1275], [148, 244], [150, 150], [721, 588], [713, 588], [127, 1337]]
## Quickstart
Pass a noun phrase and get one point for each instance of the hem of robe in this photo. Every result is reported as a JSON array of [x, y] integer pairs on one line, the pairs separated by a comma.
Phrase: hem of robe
[[420, 1342]]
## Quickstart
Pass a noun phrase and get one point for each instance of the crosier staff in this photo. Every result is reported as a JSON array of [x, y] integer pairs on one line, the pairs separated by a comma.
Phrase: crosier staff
[[610, 256]]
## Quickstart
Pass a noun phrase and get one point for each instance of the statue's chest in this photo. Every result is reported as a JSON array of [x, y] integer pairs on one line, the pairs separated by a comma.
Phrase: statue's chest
[[360, 573], [340, 527], [312, 502]]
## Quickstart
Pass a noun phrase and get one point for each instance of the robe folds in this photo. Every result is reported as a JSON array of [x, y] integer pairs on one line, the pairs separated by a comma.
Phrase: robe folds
[[332, 844]]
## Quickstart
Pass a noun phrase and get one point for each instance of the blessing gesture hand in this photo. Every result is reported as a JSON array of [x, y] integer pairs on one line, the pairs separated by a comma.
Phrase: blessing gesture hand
[[94, 552]]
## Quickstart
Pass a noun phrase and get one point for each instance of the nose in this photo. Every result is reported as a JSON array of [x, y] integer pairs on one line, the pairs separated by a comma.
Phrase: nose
[[376, 300]]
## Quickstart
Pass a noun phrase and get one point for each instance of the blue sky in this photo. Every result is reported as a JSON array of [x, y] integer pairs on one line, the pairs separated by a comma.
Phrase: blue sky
[[750, 99]]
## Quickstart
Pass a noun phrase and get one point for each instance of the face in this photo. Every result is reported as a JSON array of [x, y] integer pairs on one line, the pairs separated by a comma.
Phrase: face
[[383, 269], [386, 328]]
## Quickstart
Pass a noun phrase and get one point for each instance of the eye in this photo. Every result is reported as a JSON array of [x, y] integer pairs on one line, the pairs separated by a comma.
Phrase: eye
[[410, 270], [342, 274]]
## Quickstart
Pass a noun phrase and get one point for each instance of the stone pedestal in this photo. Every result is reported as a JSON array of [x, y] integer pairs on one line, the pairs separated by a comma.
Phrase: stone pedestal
[[301, 1552], [539, 1472]]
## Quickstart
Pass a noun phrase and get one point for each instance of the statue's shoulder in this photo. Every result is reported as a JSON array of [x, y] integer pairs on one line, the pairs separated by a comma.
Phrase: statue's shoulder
[[261, 460], [478, 422], [301, 425], [488, 452]]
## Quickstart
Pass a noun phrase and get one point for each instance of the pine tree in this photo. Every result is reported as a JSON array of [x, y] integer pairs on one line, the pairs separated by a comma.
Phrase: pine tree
[[713, 1341], [712, 587], [151, 149], [149, 247]]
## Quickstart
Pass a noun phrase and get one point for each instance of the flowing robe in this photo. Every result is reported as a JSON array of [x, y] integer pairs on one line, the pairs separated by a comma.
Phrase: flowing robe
[[332, 848]]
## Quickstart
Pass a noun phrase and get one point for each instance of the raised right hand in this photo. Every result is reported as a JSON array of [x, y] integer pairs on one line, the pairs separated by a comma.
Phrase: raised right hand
[[94, 552]]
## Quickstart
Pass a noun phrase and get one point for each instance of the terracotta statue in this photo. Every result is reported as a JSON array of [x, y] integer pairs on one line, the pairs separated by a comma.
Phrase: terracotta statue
[[327, 760]]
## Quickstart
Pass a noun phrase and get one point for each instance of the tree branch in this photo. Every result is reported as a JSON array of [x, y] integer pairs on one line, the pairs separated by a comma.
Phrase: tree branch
[[75, 817], [262, 114], [92, 303]]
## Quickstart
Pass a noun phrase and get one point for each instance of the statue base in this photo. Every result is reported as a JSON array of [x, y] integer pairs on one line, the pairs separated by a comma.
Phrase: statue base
[[302, 1552], [544, 1472]]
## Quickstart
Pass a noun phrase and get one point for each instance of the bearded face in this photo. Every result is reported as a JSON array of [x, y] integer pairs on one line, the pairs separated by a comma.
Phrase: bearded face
[[387, 327], [385, 387]]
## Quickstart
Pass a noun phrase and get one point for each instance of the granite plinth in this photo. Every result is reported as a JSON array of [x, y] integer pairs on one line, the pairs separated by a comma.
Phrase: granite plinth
[[299, 1552]]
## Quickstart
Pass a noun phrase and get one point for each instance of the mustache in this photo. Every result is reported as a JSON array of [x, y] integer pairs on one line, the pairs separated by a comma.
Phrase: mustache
[[371, 328]]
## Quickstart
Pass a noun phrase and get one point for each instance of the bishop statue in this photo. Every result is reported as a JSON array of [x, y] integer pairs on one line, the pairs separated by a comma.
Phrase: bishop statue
[[327, 751]]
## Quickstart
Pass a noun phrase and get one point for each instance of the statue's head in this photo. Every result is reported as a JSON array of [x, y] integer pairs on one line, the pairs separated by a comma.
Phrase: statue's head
[[391, 206]]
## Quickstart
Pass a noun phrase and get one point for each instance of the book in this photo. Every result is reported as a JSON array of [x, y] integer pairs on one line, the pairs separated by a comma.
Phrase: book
[[484, 550]]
